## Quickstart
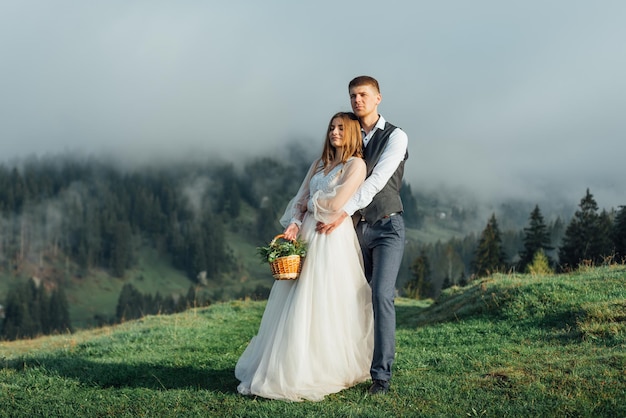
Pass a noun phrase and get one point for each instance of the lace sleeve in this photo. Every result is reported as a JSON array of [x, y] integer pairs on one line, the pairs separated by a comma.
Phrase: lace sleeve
[[328, 205], [297, 206]]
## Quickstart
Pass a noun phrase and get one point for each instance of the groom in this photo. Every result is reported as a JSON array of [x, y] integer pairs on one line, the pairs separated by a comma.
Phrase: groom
[[377, 210]]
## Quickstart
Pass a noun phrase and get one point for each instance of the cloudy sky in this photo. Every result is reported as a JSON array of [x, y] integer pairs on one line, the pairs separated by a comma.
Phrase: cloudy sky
[[499, 98]]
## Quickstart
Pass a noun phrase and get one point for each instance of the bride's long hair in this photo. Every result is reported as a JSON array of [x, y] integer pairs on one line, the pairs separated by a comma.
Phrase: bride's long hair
[[352, 140]]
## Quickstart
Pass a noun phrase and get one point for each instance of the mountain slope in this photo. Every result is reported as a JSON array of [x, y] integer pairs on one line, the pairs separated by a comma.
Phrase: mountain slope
[[504, 346]]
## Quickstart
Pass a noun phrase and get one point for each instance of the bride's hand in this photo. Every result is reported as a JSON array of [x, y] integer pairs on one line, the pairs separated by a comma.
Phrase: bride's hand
[[291, 232]]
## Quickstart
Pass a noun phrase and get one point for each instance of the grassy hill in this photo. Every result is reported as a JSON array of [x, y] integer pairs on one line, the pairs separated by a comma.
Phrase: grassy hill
[[508, 345], [94, 294]]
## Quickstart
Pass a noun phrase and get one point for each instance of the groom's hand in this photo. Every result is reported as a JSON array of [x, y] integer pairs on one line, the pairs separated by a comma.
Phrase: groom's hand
[[323, 228]]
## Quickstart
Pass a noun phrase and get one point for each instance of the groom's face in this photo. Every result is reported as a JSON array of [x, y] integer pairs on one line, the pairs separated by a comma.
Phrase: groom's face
[[364, 100]]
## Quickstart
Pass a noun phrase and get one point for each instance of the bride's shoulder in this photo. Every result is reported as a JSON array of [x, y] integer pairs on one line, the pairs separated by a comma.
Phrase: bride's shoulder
[[356, 161]]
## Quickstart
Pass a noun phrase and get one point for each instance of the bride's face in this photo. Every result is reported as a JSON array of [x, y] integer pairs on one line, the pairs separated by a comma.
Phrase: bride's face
[[335, 133]]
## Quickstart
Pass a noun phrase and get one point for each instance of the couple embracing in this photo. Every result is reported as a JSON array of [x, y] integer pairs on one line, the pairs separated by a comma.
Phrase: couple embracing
[[334, 327]]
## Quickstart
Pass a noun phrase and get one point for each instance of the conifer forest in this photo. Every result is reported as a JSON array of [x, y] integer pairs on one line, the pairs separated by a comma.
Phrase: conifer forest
[[61, 219]]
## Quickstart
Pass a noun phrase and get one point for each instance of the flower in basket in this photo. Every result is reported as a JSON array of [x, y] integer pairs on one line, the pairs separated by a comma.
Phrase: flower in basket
[[282, 248]]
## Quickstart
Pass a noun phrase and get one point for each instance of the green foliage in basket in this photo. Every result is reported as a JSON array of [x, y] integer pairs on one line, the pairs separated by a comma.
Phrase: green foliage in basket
[[281, 248]]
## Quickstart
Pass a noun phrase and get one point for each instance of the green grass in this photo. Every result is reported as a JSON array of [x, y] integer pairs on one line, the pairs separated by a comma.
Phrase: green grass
[[98, 293], [93, 294], [506, 346]]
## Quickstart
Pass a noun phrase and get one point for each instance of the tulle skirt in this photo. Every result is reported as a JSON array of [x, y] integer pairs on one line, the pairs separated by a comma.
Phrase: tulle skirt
[[316, 334]]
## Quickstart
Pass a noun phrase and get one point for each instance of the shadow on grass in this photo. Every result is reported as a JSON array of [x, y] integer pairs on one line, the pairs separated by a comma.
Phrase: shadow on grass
[[123, 375], [559, 326], [406, 316], [449, 307]]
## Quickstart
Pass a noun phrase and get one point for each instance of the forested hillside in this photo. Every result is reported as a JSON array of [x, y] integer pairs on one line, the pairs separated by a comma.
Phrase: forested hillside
[[186, 233], [69, 220]]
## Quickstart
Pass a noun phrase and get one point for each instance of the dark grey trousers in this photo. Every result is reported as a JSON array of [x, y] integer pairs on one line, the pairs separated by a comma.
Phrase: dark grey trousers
[[382, 245]]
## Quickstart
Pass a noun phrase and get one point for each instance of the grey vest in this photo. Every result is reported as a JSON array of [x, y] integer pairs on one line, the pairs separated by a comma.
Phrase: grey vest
[[388, 199]]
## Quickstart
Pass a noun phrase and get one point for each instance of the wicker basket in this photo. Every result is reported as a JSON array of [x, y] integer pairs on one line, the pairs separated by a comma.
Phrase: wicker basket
[[287, 267]]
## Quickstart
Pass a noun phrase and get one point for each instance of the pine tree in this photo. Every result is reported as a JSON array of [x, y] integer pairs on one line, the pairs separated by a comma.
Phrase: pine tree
[[59, 312], [619, 235], [37, 304], [604, 246], [409, 203], [169, 304], [536, 238], [31, 311], [585, 236], [157, 307], [130, 304], [489, 257], [266, 223], [540, 264], [234, 201], [17, 191], [419, 286], [191, 300], [557, 230], [121, 248], [229, 200], [452, 264], [15, 314]]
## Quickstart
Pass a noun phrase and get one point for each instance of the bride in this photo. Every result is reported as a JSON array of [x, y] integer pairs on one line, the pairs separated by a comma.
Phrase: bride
[[316, 334]]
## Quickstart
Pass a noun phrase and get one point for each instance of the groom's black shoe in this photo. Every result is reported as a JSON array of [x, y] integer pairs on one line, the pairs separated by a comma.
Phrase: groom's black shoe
[[379, 387]]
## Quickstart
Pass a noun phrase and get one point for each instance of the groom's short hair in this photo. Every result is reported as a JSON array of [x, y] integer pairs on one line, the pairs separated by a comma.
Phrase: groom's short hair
[[364, 80]]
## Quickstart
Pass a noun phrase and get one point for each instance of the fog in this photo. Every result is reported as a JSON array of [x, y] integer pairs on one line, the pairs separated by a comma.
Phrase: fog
[[500, 100]]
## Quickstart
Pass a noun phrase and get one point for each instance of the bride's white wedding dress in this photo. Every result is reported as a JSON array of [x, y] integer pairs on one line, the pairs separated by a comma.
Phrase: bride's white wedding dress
[[316, 334]]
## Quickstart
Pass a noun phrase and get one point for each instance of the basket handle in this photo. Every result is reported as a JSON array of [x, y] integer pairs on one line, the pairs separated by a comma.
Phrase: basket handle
[[277, 237]]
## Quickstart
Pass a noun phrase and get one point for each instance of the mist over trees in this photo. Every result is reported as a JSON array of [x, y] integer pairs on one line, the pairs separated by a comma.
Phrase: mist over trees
[[63, 218], [97, 216]]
